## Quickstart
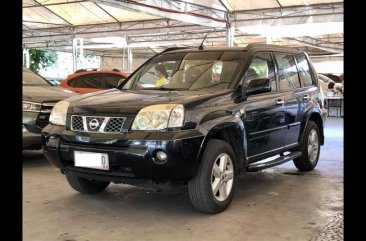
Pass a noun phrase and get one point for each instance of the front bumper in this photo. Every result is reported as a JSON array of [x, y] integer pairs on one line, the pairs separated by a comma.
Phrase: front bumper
[[131, 155], [31, 140]]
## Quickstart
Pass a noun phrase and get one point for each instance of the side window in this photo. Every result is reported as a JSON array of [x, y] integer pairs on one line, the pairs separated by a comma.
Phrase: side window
[[261, 67], [88, 81], [304, 70], [71, 82], [287, 72], [110, 80]]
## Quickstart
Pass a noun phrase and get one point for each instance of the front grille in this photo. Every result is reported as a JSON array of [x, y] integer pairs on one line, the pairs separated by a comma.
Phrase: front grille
[[99, 124], [42, 120], [77, 123], [44, 117], [114, 125]]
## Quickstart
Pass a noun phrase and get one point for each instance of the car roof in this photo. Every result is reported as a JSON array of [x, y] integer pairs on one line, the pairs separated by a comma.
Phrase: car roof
[[266, 47]]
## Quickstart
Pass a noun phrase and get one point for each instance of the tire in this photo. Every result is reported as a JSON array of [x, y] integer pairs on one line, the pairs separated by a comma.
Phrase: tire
[[84, 185], [201, 186], [309, 144]]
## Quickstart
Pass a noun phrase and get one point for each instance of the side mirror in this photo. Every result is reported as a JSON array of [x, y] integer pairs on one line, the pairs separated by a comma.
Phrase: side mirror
[[258, 86]]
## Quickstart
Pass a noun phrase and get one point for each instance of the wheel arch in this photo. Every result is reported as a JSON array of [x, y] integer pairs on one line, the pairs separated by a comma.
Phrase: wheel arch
[[316, 117], [233, 134]]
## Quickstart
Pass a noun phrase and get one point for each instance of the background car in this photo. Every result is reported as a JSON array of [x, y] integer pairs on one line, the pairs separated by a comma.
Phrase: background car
[[54, 81], [86, 81], [39, 97]]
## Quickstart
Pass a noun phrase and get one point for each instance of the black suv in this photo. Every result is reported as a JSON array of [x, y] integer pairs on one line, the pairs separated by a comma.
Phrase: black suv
[[220, 111]]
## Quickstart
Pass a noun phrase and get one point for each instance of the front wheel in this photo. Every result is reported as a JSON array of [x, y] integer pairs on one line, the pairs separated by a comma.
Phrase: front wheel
[[310, 148], [213, 187], [84, 185]]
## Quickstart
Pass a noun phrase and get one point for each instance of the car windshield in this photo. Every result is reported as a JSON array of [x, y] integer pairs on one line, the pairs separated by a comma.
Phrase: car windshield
[[213, 70], [30, 78]]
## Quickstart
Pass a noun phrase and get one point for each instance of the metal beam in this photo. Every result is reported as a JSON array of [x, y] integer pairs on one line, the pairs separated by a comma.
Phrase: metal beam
[[316, 43], [142, 28], [181, 11]]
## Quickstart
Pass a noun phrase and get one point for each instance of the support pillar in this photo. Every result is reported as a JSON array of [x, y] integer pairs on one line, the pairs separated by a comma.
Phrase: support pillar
[[229, 30], [26, 58]]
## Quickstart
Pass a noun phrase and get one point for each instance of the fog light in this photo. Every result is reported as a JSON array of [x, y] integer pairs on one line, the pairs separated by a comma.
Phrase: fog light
[[52, 142], [25, 129], [161, 157]]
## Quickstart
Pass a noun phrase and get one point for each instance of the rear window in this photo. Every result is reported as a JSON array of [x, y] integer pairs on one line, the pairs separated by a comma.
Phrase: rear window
[[87, 81]]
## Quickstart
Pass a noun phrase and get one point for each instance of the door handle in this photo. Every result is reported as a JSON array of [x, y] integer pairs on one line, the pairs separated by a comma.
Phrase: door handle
[[306, 97], [280, 102]]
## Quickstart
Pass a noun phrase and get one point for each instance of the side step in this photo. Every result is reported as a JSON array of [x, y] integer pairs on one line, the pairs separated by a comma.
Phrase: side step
[[282, 159]]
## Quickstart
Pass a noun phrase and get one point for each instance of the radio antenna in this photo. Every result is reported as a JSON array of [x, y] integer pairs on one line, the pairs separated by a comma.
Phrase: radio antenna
[[201, 46]]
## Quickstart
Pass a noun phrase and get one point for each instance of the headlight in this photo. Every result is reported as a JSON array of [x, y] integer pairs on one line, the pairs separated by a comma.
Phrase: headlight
[[25, 129], [31, 106], [58, 113], [158, 117]]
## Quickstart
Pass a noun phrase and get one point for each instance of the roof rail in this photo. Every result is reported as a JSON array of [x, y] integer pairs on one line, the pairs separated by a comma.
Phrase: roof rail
[[173, 48]]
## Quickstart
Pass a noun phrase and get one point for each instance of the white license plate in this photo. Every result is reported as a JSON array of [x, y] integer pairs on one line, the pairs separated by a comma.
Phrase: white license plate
[[91, 160]]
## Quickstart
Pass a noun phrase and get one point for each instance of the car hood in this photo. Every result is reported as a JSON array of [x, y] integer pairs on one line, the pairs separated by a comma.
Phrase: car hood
[[116, 101], [46, 93]]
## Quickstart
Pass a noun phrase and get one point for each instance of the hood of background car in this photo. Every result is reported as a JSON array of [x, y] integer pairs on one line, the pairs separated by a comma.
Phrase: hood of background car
[[45, 93], [116, 101]]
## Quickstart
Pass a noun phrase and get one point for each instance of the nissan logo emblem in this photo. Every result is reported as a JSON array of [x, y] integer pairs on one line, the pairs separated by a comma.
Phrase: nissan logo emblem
[[93, 124]]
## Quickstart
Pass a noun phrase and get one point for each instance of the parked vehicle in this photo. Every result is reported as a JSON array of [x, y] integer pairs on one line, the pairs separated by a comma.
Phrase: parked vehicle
[[222, 111], [87, 81], [39, 97]]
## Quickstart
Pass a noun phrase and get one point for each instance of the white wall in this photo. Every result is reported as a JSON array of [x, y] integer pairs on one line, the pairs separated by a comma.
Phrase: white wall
[[328, 64]]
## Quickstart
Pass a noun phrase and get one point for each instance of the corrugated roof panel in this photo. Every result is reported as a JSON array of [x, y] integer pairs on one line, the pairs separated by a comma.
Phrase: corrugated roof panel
[[82, 13], [41, 15], [286, 3], [252, 4], [208, 3], [126, 15], [55, 1], [29, 3], [323, 1]]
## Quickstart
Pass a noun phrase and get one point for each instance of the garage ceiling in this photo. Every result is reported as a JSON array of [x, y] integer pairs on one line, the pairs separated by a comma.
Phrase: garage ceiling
[[149, 26]]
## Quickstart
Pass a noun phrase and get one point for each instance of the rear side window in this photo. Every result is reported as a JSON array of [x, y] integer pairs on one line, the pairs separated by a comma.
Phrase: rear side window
[[87, 81], [304, 70], [287, 72], [261, 67], [110, 80]]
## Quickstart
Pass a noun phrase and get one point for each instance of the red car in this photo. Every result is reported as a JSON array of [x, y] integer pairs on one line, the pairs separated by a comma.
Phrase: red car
[[86, 81]]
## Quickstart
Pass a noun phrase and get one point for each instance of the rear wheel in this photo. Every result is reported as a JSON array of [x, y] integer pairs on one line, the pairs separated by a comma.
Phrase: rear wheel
[[310, 148], [213, 187], [84, 185]]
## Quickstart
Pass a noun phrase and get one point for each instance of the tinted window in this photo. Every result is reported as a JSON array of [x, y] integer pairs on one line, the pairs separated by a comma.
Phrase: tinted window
[[87, 81], [110, 80], [30, 78], [261, 67], [287, 72], [304, 70]]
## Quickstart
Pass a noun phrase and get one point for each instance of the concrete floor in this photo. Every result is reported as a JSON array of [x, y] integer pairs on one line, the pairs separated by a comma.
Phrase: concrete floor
[[279, 203]]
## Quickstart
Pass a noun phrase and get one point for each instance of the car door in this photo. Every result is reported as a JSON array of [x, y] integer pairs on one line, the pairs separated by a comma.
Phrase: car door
[[290, 86], [265, 113]]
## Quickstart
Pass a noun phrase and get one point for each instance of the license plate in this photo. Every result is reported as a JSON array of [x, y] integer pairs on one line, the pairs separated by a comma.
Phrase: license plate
[[91, 160]]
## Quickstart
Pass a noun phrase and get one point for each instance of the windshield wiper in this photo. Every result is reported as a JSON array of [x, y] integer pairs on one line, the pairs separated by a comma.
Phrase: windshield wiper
[[162, 88]]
